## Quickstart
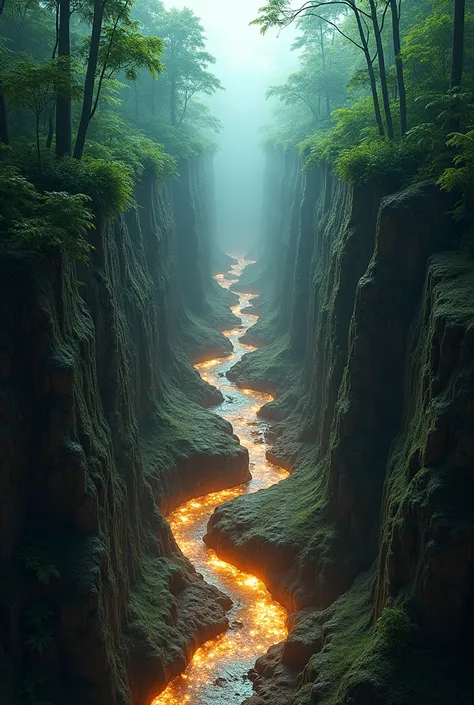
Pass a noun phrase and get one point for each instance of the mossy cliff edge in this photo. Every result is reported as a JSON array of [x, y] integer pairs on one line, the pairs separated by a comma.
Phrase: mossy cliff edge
[[369, 542], [102, 423]]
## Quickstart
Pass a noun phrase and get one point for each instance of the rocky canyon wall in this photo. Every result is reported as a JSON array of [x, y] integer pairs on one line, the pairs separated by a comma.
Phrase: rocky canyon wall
[[103, 428], [365, 330]]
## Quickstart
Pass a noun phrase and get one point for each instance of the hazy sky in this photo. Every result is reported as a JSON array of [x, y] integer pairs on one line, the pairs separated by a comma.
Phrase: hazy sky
[[247, 64]]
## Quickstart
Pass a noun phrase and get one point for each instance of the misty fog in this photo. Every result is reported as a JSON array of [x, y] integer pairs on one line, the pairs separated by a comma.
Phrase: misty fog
[[247, 64]]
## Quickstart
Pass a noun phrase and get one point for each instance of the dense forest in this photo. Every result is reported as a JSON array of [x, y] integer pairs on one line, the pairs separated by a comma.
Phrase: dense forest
[[384, 89], [113, 85]]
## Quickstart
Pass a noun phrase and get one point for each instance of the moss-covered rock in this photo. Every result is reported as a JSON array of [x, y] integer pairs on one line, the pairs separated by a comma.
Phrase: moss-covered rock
[[101, 423], [371, 369]]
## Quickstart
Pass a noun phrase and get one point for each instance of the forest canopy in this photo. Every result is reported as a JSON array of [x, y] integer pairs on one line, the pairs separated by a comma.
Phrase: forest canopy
[[93, 93], [382, 89]]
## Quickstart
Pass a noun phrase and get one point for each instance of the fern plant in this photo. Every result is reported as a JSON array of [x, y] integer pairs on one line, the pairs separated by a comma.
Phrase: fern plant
[[35, 558], [40, 641], [460, 177]]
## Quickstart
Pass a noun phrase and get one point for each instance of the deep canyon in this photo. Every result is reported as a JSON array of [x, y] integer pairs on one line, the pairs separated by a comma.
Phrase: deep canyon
[[133, 389]]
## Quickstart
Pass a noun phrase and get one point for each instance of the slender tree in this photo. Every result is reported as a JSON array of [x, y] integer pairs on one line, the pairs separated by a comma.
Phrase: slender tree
[[457, 59], [122, 48], [402, 95], [63, 102], [382, 70], [278, 13], [52, 111], [458, 43], [34, 87], [97, 21], [186, 61], [4, 137]]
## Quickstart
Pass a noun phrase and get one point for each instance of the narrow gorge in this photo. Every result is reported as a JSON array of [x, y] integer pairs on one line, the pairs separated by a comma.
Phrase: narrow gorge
[[356, 377], [236, 352]]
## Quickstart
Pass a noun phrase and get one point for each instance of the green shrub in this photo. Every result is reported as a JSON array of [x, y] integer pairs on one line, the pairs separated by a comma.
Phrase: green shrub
[[376, 159], [460, 177], [394, 630], [42, 221], [113, 139], [61, 221], [107, 183]]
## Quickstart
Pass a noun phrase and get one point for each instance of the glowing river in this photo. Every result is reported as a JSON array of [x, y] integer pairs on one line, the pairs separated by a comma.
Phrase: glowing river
[[218, 672]]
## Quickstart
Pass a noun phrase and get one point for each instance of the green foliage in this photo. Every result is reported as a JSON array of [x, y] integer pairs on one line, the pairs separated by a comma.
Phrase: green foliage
[[132, 83], [345, 135], [427, 50], [112, 139], [40, 641], [42, 221], [35, 558], [186, 61], [275, 13], [353, 126], [41, 638], [108, 183], [310, 94], [62, 222], [124, 49], [460, 177], [377, 159], [34, 86], [18, 197], [394, 630]]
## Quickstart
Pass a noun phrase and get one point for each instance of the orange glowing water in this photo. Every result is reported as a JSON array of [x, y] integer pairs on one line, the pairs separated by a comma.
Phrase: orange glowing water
[[217, 673]]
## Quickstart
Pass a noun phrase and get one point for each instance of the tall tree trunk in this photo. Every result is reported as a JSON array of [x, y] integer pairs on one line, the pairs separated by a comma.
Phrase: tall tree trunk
[[49, 138], [323, 53], [457, 61], [38, 146], [382, 71], [173, 101], [402, 95], [99, 8], [4, 137], [458, 43], [370, 69], [63, 102], [323, 59], [135, 91]]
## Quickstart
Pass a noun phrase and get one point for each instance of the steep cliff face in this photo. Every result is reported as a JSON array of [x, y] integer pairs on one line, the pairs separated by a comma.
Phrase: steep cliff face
[[102, 425], [371, 366]]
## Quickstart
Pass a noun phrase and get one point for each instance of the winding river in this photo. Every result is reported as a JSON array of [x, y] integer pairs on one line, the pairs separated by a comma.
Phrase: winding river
[[217, 674]]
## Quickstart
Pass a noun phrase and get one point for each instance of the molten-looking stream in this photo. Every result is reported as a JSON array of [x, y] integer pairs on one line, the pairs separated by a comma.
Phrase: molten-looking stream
[[218, 671]]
